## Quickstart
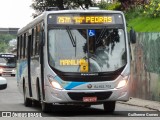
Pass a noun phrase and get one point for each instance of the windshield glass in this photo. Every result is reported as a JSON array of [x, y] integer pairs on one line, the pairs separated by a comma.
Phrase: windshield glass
[[8, 61], [87, 50]]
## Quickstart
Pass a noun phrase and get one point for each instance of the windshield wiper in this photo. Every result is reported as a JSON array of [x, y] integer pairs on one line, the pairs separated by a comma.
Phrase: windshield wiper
[[73, 41], [101, 35], [71, 37]]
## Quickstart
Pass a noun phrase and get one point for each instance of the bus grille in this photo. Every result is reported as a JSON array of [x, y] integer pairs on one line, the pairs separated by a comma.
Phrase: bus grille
[[79, 96]]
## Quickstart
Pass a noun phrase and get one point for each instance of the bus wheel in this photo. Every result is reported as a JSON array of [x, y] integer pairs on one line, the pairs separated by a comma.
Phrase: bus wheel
[[27, 101], [109, 106], [46, 107], [38, 101]]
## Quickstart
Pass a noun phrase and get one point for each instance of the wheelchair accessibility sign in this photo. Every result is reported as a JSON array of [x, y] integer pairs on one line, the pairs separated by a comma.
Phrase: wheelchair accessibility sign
[[91, 33]]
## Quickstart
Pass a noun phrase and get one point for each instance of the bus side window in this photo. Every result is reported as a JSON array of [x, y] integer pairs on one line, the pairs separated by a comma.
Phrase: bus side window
[[34, 42], [20, 50], [18, 47], [32, 39], [37, 39], [24, 45]]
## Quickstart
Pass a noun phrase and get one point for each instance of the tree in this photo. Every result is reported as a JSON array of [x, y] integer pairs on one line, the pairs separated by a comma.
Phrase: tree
[[40, 5], [126, 4], [4, 41]]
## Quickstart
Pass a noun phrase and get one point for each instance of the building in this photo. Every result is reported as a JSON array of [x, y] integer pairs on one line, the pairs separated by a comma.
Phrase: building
[[12, 31]]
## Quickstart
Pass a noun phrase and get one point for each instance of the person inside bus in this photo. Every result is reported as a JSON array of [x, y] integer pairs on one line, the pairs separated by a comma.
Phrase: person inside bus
[[106, 46]]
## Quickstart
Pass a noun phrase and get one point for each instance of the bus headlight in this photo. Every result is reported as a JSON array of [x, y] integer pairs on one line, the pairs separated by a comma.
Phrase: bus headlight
[[54, 83], [1, 70], [122, 82], [13, 71]]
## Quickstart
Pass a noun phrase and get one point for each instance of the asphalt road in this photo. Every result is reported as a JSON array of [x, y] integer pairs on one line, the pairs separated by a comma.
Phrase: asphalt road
[[12, 100]]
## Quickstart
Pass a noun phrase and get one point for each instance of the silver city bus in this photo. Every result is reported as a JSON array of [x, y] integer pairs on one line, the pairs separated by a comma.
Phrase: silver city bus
[[79, 57]]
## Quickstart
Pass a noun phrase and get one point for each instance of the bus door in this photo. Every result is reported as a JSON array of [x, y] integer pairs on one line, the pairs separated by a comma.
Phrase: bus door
[[29, 52]]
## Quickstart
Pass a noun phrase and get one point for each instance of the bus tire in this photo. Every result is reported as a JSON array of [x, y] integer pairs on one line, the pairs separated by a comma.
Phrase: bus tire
[[109, 106], [46, 107], [27, 101], [38, 91]]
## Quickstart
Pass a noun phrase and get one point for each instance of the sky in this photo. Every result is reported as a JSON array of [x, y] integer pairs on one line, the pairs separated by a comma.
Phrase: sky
[[15, 13]]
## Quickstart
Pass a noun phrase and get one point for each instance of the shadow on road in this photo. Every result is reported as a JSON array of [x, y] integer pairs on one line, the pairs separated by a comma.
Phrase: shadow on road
[[74, 111]]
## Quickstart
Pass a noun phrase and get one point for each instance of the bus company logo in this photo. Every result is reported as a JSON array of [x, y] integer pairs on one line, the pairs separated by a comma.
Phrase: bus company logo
[[89, 86]]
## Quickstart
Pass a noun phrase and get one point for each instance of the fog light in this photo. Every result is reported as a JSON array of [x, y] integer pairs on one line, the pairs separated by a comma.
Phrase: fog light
[[54, 83], [122, 83]]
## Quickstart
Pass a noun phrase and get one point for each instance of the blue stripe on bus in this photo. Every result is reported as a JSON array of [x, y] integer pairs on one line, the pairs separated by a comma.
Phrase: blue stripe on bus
[[68, 85], [74, 84]]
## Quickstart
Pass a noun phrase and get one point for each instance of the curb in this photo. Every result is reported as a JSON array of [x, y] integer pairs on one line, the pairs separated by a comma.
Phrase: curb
[[146, 106], [152, 105]]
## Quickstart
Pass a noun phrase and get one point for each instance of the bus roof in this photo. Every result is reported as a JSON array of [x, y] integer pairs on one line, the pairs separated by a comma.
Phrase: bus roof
[[84, 11]]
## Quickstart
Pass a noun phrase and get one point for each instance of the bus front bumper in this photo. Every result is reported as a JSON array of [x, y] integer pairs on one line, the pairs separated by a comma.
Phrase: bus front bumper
[[80, 96]]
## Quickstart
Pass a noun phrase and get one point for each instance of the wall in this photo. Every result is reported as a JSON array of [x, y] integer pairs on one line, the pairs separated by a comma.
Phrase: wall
[[12, 31], [146, 66]]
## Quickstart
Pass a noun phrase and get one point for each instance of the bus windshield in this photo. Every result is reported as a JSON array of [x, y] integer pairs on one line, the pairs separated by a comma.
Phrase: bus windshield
[[7, 60], [96, 50]]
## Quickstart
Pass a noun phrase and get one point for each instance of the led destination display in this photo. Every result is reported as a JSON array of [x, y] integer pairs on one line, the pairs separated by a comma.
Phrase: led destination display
[[76, 19], [84, 19]]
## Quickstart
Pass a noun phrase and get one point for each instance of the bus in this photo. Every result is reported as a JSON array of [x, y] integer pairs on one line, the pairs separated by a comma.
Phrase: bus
[[7, 64], [75, 57]]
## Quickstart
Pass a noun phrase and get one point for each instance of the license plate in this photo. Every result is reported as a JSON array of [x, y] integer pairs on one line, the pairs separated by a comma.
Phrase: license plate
[[89, 99]]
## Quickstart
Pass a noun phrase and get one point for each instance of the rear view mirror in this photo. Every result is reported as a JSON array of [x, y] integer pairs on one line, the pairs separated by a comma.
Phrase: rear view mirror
[[3, 83], [132, 36]]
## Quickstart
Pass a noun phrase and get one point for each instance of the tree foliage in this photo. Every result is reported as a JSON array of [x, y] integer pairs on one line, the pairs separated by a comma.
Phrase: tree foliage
[[4, 41], [109, 6], [152, 9], [127, 4], [40, 5]]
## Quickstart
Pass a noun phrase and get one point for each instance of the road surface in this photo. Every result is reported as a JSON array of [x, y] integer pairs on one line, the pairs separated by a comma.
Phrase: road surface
[[12, 100]]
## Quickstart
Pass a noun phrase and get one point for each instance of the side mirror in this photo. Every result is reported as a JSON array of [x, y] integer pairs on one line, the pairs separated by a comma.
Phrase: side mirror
[[3, 83], [132, 36]]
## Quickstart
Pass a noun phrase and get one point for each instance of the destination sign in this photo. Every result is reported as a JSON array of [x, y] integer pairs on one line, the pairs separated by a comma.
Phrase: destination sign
[[6, 55], [85, 18]]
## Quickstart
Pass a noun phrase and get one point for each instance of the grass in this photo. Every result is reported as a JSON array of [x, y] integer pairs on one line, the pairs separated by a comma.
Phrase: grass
[[142, 24]]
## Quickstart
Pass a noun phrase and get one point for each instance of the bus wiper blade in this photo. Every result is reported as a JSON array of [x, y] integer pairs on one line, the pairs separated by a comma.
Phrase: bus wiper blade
[[71, 37], [101, 35], [75, 46]]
